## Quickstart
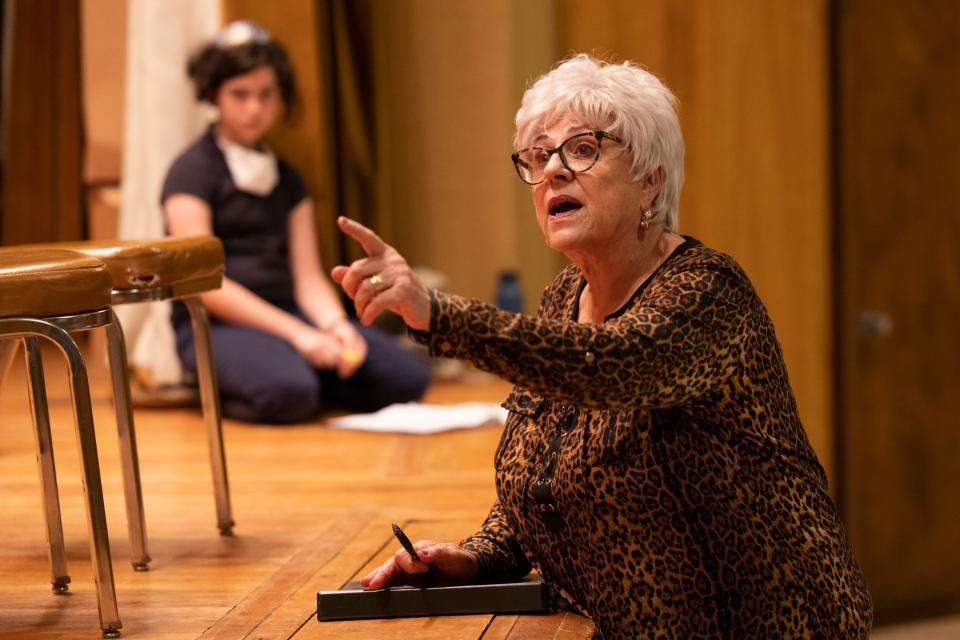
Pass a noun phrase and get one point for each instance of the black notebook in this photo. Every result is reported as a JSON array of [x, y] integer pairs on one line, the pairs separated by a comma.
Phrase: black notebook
[[354, 602]]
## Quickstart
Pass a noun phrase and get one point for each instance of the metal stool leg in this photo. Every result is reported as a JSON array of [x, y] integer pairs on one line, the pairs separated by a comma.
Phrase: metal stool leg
[[48, 472], [210, 397], [120, 377], [92, 488], [8, 352]]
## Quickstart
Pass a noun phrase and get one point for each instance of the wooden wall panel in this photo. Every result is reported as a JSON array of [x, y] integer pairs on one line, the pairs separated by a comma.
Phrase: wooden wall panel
[[42, 161], [104, 67], [104, 45], [449, 80], [899, 143], [752, 80]]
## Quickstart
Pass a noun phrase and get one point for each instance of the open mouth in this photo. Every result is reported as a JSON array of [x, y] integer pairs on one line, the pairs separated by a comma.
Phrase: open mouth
[[563, 204]]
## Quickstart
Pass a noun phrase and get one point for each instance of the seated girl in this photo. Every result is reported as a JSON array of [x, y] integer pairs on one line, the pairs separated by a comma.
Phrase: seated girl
[[283, 345]]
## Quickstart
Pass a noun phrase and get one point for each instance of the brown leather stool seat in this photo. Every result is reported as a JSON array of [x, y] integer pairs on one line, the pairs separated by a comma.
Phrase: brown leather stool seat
[[184, 265], [51, 282], [162, 269], [46, 293]]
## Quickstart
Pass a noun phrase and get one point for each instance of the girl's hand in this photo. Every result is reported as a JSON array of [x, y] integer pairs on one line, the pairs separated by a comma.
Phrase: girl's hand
[[353, 348], [383, 281], [451, 565], [323, 350]]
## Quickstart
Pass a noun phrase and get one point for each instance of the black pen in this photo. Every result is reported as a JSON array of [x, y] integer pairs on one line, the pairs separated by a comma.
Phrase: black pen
[[405, 542]]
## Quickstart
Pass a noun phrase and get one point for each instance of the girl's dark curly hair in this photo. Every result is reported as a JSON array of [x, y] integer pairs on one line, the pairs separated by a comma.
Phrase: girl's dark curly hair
[[219, 61]]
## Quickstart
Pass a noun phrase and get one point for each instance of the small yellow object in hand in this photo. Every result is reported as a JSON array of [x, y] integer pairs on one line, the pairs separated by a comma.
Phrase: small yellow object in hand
[[350, 355]]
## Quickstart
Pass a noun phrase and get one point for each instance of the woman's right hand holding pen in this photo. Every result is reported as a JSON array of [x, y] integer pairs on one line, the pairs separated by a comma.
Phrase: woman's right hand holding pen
[[448, 564]]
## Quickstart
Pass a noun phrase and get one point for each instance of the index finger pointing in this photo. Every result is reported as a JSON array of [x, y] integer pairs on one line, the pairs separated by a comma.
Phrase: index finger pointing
[[369, 240]]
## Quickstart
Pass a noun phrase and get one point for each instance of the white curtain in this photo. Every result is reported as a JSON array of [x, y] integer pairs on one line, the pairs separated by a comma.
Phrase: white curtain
[[161, 119]]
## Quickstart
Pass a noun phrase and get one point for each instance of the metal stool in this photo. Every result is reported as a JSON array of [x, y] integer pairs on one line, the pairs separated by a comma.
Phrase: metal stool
[[46, 294], [150, 270]]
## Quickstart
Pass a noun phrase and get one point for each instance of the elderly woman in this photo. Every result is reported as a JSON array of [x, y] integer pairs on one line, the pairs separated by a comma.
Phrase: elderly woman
[[653, 467]]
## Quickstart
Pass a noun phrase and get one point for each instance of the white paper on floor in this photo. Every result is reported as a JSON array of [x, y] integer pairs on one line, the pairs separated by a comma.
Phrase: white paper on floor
[[419, 418]]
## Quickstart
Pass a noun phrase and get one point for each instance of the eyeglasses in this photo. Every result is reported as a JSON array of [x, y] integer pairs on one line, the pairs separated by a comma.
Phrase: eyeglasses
[[577, 153]]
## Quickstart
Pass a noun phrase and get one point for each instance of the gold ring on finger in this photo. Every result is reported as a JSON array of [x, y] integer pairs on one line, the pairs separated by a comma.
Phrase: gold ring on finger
[[377, 283]]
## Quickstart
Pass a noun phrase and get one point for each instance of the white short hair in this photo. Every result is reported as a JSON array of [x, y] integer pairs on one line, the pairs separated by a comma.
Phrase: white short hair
[[630, 102]]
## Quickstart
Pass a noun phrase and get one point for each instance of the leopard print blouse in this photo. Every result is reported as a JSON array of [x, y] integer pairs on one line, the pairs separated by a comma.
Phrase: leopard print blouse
[[653, 468]]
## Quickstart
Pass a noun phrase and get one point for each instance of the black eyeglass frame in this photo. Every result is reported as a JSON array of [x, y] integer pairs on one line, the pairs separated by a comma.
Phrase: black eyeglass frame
[[599, 135]]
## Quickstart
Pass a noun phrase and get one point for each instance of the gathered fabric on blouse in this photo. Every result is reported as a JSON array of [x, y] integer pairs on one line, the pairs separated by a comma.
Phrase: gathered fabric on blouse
[[653, 468]]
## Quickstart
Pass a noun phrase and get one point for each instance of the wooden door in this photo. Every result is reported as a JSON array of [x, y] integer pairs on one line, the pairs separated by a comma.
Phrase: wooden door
[[42, 188], [898, 305]]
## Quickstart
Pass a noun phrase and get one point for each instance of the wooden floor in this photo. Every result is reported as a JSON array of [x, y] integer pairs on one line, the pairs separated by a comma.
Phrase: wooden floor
[[313, 508]]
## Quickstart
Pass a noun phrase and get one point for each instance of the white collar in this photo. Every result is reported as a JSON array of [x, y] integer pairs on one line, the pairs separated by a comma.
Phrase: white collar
[[252, 171]]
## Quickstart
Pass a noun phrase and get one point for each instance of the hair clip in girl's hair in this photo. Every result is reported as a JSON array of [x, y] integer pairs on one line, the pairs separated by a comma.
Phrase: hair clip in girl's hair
[[241, 32]]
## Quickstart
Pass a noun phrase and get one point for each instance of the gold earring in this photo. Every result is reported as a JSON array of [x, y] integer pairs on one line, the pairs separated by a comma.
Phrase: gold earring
[[646, 220]]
